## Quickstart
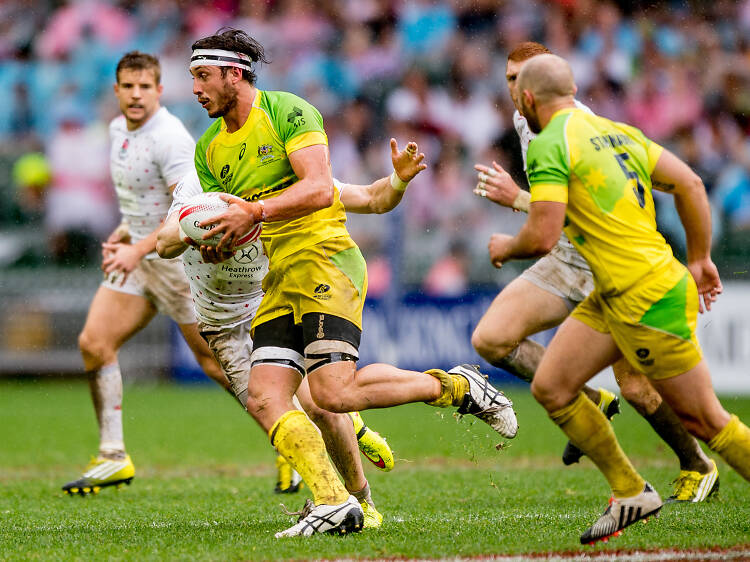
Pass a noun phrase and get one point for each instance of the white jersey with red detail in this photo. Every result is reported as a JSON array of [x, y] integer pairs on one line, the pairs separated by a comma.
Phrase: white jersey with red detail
[[143, 164], [564, 249], [228, 293]]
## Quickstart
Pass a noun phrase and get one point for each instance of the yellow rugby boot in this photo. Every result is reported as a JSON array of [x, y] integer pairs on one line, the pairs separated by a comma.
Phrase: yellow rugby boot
[[100, 473], [695, 487], [288, 480], [372, 445], [373, 518]]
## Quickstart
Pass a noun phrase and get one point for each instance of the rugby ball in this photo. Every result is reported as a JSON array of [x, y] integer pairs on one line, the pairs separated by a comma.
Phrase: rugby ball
[[206, 206]]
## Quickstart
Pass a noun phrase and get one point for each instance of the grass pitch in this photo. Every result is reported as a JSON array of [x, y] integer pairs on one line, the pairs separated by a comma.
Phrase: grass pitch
[[204, 475]]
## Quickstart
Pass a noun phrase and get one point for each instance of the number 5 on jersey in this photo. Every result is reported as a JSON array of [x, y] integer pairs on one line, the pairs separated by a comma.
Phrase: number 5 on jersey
[[639, 190]]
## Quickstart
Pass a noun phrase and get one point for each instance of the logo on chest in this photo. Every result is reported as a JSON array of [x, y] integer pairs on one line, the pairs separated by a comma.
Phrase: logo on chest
[[266, 154], [124, 149], [246, 255], [226, 175]]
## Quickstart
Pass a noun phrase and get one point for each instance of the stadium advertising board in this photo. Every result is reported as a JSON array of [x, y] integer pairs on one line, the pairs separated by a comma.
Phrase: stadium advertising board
[[421, 332]]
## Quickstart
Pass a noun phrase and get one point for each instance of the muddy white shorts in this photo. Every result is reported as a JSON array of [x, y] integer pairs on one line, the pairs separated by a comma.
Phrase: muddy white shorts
[[162, 282], [558, 276]]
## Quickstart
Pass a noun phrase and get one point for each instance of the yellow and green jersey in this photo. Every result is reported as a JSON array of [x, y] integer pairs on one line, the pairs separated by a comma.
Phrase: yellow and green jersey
[[602, 170], [253, 163]]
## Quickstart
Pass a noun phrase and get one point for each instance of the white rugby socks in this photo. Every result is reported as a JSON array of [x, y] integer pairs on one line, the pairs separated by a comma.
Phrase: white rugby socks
[[106, 392]]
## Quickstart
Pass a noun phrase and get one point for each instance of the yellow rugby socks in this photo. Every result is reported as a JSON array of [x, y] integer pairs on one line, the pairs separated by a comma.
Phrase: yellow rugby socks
[[298, 441], [733, 444], [588, 429], [453, 388]]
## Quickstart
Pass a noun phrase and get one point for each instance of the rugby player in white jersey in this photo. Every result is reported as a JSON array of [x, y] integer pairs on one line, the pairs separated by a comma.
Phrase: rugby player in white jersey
[[544, 295], [150, 152], [227, 296]]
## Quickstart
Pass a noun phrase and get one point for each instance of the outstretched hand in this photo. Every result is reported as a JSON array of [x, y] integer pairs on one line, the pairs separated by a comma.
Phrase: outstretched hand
[[407, 163]]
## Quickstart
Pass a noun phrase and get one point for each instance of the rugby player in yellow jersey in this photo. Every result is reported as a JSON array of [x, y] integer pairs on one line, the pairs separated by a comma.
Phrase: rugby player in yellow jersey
[[545, 294], [593, 177], [270, 149]]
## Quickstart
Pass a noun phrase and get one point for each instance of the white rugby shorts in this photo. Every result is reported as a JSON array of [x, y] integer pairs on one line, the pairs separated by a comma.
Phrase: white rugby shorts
[[162, 282], [231, 348], [561, 278]]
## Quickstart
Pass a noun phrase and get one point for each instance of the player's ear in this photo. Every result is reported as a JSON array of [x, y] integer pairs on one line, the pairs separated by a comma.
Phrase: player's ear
[[116, 88], [528, 98], [160, 89]]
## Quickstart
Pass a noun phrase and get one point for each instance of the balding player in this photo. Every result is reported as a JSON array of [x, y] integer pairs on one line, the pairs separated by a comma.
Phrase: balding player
[[546, 293], [598, 175]]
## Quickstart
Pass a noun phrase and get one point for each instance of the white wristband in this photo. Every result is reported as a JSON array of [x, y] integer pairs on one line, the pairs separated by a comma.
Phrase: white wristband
[[397, 183], [522, 201]]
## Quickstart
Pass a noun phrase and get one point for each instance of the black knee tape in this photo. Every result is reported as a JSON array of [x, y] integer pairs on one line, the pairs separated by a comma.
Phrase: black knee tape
[[317, 360]]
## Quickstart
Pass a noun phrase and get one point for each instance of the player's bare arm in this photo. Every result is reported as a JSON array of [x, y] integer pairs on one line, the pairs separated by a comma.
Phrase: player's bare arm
[[385, 194], [674, 176], [498, 186], [169, 244], [537, 236], [312, 192]]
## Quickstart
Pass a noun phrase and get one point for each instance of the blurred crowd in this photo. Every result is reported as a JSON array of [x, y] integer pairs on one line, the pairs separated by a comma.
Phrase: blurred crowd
[[426, 70]]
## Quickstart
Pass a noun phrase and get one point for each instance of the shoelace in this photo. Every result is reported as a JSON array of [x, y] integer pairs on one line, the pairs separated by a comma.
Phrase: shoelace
[[302, 513]]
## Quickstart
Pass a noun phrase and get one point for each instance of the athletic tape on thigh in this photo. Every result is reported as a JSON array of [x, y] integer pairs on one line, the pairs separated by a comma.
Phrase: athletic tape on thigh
[[324, 352], [282, 356]]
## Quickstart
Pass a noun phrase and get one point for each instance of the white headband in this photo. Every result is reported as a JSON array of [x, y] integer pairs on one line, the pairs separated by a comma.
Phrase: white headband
[[220, 57]]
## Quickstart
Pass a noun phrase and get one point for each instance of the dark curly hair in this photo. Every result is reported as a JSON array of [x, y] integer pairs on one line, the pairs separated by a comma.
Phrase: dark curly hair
[[230, 39]]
